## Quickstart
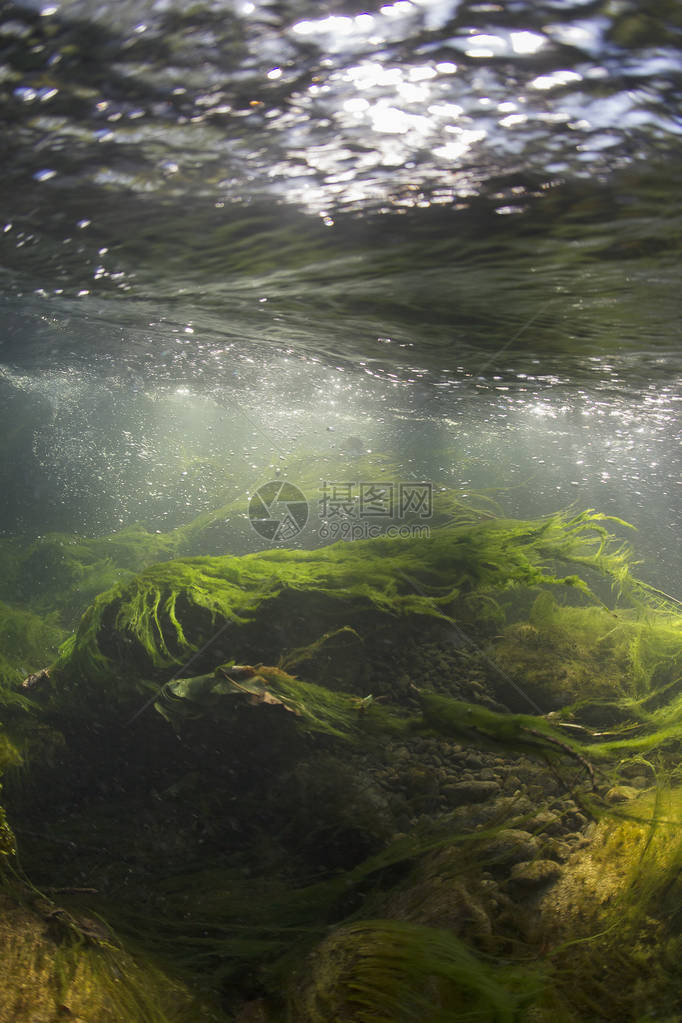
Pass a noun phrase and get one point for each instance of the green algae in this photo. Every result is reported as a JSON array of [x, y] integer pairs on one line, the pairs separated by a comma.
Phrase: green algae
[[617, 906], [314, 708], [565, 653], [64, 572], [60, 573], [482, 727], [390, 971], [27, 643], [54, 965], [9, 757]]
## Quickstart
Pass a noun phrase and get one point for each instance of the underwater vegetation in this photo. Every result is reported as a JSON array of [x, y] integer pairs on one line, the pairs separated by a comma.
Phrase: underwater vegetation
[[54, 965], [405, 779], [59, 575], [390, 971], [275, 601]]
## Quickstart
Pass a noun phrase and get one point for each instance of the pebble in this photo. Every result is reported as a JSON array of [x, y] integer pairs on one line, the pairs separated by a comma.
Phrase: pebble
[[556, 850], [472, 791], [533, 873], [574, 820], [512, 783], [621, 794], [640, 782], [631, 771], [511, 845], [546, 822]]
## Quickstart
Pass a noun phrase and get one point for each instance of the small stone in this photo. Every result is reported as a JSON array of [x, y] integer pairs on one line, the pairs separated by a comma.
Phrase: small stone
[[621, 794], [553, 849], [590, 831], [487, 774], [470, 792], [574, 820], [512, 783], [546, 822], [534, 873], [511, 846], [637, 770]]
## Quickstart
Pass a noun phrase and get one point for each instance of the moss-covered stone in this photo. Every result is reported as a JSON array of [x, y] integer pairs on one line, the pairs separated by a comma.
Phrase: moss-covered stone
[[385, 971], [259, 608], [54, 965], [563, 653]]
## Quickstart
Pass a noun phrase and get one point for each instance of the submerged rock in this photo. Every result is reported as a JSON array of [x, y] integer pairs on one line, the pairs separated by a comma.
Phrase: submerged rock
[[52, 968], [324, 607], [511, 846], [622, 793], [470, 792], [534, 873]]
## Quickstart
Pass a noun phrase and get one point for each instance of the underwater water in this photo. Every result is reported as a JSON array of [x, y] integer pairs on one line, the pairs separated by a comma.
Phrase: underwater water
[[404, 275]]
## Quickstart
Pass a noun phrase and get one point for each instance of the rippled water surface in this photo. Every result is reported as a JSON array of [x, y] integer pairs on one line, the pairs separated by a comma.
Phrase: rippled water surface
[[239, 233]]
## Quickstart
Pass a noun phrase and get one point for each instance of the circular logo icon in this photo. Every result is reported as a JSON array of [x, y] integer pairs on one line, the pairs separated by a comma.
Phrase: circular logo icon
[[278, 511]]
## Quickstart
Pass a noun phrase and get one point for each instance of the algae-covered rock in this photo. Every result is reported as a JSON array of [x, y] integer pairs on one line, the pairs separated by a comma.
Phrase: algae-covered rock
[[382, 971], [473, 791], [622, 793], [563, 652], [51, 969], [9, 756], [533, 873], [260, 814], [263, 608], [614, 912], [510, 846]]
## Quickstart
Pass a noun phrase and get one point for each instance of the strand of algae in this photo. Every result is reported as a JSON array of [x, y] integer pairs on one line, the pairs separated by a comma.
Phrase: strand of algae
[[523, 733]]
